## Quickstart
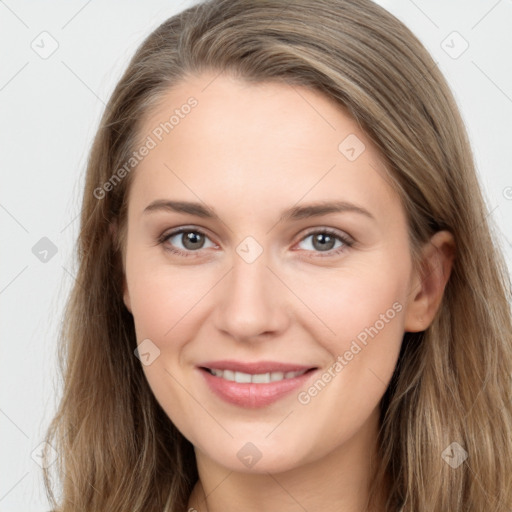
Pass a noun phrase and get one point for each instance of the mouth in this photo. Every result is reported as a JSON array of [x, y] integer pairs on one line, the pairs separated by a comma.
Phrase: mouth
[[253, 385]]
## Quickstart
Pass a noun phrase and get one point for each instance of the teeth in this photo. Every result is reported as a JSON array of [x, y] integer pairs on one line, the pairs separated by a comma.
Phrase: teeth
[[258, 378], [242, 377], [262, 378], [229, 375]]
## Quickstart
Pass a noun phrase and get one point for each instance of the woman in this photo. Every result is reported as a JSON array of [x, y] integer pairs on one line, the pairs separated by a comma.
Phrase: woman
[[257, 370]]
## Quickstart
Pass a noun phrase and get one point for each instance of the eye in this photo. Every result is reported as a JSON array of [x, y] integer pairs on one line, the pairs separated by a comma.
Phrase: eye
[[324, 240], [191, 239]]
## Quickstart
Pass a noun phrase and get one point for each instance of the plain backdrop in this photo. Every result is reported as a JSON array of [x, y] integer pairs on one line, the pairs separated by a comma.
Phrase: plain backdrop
[[59, 63]]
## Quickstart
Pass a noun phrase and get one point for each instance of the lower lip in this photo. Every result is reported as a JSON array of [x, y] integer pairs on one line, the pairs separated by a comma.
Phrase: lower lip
[[253, 395]]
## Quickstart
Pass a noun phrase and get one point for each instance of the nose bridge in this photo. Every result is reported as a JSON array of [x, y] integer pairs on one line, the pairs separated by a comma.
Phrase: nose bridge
[[250, 298]]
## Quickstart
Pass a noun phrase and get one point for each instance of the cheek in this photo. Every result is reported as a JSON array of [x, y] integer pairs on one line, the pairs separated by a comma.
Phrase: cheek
[[361, 327], [345, 304], [366, 316], [150, 310], [160, 296], [163, 310]]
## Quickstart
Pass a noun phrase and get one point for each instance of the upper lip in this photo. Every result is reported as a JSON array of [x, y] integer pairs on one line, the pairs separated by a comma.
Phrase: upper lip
[[255, 367]]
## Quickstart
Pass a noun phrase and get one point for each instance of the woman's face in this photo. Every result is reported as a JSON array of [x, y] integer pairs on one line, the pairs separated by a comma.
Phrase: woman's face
[[291, 280]]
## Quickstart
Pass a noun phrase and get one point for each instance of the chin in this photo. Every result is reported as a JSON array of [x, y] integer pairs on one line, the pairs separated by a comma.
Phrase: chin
[[257, 457]]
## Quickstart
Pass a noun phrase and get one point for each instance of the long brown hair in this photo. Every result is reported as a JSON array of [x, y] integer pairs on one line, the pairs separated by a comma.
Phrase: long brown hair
[[118, 451]]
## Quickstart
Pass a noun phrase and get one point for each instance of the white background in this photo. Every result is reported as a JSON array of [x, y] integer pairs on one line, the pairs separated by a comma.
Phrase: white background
[[49, 111]]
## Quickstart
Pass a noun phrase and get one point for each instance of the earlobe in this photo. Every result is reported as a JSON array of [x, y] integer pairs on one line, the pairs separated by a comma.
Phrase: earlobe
[[428, 287]]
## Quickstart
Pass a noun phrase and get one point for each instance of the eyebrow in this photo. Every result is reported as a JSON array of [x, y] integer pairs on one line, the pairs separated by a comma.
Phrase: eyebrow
[[295, 213]]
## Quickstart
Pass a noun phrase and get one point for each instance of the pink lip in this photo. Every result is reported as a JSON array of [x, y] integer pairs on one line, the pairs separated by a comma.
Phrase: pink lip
[[253, 368], [251, 395]]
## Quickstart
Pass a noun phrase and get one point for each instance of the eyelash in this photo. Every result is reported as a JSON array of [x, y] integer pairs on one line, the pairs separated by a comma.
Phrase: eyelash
[[347, 243]]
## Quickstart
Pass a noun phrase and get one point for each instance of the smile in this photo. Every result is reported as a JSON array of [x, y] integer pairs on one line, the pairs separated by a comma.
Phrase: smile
[[257, 378], [254, 385]]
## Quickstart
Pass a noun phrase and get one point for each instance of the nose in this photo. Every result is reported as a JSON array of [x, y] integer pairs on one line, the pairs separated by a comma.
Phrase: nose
[[252, 301]]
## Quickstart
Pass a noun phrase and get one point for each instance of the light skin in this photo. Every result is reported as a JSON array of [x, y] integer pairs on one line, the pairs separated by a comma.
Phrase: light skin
[[251, 151]]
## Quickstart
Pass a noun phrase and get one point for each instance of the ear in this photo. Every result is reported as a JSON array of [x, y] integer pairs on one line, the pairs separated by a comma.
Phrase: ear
[[126, 295], [426, 291]]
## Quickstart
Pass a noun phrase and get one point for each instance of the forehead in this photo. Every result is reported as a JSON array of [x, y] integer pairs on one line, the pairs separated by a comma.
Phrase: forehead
[[245, 142]]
